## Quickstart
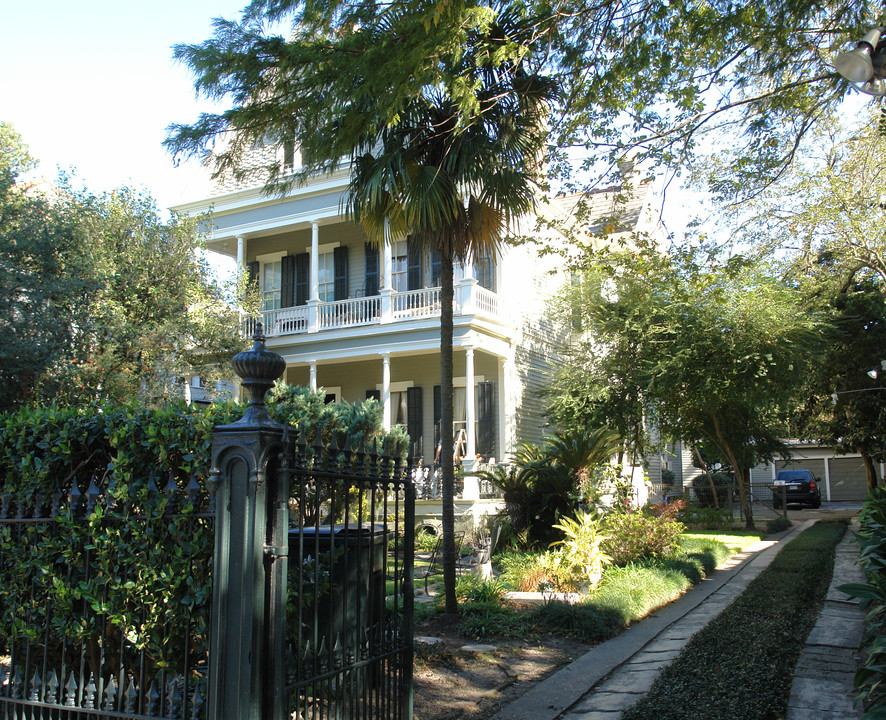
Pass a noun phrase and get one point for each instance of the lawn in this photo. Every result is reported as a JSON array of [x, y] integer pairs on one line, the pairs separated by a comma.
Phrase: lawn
[[625, 594]]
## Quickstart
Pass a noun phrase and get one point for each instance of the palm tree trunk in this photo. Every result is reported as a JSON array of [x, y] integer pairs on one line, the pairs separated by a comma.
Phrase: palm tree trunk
[[447, 292]]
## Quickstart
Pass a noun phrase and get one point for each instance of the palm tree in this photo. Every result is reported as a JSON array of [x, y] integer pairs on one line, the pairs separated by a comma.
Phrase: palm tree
[[454, 184]]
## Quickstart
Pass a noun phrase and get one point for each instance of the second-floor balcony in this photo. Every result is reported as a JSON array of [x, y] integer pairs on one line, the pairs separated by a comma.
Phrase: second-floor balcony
[[389, 306]]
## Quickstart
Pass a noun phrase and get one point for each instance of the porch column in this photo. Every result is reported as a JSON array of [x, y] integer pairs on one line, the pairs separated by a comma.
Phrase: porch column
[[470, 410], [827, 478], [314, 296], [387, 289], [241, 255], [313, 371], [386, 391], [469, 461]]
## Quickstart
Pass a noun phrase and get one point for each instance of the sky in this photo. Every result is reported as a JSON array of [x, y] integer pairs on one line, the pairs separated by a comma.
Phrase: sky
[[92, 86]]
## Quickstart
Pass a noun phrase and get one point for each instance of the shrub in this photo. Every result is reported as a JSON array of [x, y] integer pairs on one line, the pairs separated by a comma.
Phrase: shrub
[[707, 518], [474, 589], [777, 524], [636, 535], [704, 496], [582, 545], [544, 572]]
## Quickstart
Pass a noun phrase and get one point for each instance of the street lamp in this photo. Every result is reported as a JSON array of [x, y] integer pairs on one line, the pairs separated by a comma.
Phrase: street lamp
[[865, 66]]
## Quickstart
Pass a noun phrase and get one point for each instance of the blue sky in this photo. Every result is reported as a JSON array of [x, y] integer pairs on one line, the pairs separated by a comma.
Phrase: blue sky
[[92, 85]]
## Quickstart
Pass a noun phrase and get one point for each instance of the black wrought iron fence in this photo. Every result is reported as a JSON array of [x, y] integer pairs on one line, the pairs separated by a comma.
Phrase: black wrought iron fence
[[349, 628], [104, 601]]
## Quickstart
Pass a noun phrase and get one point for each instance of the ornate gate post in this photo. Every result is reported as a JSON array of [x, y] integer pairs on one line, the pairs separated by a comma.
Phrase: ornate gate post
[[250, 475]]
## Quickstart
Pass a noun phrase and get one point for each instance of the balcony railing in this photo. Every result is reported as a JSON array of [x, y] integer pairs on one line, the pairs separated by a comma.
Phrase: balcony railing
[[388, 307]]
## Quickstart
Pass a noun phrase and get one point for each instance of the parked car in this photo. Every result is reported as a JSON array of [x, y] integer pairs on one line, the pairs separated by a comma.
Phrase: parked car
[[801, 486]]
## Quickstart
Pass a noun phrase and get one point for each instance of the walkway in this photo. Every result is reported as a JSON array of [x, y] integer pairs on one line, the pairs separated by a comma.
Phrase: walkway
[[615, 674]]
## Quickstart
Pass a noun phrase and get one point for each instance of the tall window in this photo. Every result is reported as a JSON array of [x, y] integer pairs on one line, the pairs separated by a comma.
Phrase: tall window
[[400, 266], [326, 267], [271, 284], [484, 271]]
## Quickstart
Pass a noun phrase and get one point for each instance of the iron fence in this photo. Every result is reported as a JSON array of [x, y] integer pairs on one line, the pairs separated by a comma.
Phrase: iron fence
[[104, 602], [351, 547]]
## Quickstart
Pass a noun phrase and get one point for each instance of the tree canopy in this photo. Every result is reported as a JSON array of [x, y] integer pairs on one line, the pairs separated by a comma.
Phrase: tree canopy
[[649, 76], [100, 299], [713, 352]]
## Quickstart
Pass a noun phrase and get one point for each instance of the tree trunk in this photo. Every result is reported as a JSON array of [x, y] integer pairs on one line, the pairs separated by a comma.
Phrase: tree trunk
[[447, 292], [704, 467], [742, 475], [870, 469]]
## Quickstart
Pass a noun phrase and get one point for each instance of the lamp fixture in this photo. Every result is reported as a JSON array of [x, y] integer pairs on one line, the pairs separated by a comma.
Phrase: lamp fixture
[[865, 66], [877, 372]]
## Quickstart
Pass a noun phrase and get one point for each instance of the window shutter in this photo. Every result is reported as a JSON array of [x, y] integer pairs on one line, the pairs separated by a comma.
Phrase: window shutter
[[485, 419], [302, 269], [371, 287], [438, 411], [413, 420], [436, 267], [287, 281], [340, 260], [252, 271], [413, 265]]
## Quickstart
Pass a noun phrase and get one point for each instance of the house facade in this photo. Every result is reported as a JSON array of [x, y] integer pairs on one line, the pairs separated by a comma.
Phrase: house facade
[[363, 321]]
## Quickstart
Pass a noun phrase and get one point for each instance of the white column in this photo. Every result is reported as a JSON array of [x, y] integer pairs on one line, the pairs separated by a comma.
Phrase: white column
[[470, 410], [387, 290], [314, 296], [827, 478], [313, 371], [387, 257], [241, 254], [386, 391]]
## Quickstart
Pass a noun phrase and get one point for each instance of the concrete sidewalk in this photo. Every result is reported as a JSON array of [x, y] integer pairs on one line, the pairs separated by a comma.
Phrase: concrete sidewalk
[[822, 686], [614, 675]]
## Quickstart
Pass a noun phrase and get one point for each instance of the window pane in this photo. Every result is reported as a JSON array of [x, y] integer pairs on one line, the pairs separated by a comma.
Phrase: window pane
[[272, 279]]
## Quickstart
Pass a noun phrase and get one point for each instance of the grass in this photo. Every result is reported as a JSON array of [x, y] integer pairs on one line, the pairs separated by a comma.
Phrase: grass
[[739, 666], [624, 596]]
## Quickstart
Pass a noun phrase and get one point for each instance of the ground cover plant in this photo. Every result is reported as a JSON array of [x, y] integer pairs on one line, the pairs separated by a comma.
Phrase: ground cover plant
[[739, 666], [625, 594]]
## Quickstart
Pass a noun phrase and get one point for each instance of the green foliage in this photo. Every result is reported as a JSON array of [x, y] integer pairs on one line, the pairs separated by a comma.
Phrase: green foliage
[[637, 535], [472, 588], [778, 524], [704, 495], [754, 643], [582, 545], [870, 687], [707, 518], [725, 371], [100, 299]]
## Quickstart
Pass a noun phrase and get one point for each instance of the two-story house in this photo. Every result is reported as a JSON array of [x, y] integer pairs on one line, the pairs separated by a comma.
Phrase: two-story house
[[361, 321]]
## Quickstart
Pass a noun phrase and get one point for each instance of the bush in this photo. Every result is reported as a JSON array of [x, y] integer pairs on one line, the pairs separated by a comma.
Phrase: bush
[[777, 524], [636, 535], [474, 589], [707, 518], [724, 484], [582, 546]]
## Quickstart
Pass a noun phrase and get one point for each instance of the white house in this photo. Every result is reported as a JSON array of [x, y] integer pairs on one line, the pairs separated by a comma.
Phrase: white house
[[360, 321]]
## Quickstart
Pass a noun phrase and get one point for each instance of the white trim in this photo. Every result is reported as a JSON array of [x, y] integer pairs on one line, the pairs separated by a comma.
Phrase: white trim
[[271, 257], [332, 390], [325, 248], [399, 386]]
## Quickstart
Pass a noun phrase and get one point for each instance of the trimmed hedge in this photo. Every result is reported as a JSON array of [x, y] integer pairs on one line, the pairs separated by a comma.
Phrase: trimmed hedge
[[740, 666]]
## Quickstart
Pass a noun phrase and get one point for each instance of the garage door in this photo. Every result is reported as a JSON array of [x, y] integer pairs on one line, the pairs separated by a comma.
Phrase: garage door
[[817, 467], [848, 479]]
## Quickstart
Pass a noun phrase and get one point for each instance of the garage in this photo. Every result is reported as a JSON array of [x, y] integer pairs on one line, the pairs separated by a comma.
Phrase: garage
[[848, 479], [816, 465]]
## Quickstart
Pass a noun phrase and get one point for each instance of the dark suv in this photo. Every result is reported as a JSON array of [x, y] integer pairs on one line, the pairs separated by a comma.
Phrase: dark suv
[[801, 486]]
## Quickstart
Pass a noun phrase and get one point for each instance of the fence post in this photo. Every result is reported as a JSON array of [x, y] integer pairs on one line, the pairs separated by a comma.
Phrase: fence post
[[250, 476]]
